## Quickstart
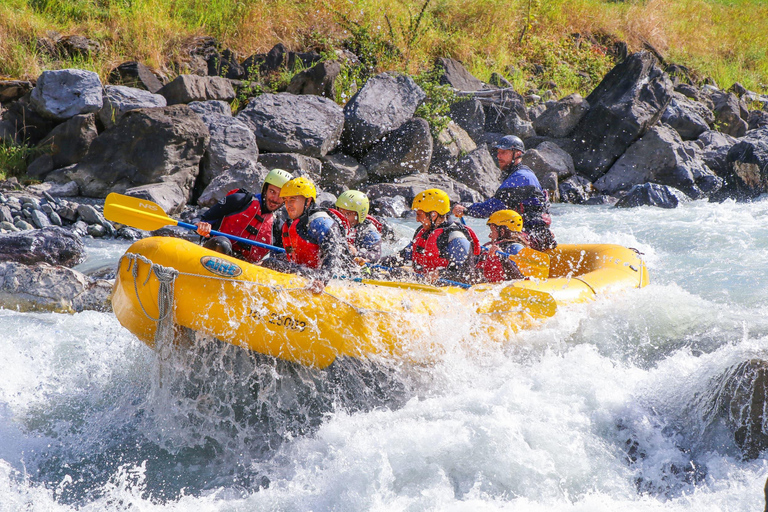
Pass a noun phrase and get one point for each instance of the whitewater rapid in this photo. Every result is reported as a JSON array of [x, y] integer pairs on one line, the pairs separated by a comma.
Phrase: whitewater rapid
[[602, 408]]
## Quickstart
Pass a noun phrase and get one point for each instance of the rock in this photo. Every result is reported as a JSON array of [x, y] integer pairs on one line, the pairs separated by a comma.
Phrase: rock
[[407, 150], [507, 113], [211, 107], [728, 114], [188, 88], [135, 74], [225, 64], [499, 81], [298, 165], [12, 90], [76, 46], [450, 144], [650, 194], [90, 215], [340, 171], [757, 119], [714, 150], [516, 125], [96, 230], [231, 141], [40, 219], [146, 146], [689, 118], [660, 156], [168, 195], [119, 99], [52, 245], [309, 125], [67, 144], [629, 100], [576, 190], [5, 214], [319, 80], [746, 176], [600, 200], [68, 189], [50, 288], [23, 225], [561, 119], [65, 93], [411, 185], [8, 226], [245, 175], [456, 75], [21, 124], [549, 157], [278, 58], [389, 206], [381, 106], [470, 115], [478, 171]]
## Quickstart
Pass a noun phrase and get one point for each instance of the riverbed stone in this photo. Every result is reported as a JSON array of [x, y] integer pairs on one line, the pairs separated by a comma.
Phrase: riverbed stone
[[119, 99], [51, 244], [188, 88], [650, 194], [407, 150]]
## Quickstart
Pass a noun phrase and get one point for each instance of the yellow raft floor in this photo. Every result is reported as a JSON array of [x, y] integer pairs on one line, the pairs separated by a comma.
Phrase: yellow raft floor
[[272, 313]]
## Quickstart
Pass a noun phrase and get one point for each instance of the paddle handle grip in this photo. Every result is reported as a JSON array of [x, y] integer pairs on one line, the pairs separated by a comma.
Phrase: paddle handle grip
[[234, 238]]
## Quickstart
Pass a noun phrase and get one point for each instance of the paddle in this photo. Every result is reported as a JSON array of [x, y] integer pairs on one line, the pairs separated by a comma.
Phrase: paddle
[[149, 216], [532, 263]]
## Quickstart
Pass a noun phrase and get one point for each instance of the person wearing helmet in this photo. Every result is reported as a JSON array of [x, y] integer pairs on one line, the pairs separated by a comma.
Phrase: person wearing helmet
[[363, 231], [441, 248], [313, 241], [256, 217], [520, 191], [507, 236]]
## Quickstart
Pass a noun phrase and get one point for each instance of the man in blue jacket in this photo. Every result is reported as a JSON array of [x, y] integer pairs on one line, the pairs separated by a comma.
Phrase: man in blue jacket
[[520, 191]]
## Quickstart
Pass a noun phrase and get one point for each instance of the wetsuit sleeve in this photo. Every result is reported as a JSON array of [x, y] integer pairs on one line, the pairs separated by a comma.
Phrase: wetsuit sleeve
[[368, 242], [485, 208], [325, 232]]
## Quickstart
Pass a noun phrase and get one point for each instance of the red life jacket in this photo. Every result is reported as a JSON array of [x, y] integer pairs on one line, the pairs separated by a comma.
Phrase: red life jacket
[[491, 267], [298, 249], [252, 225], [426, 252], [349, 231]]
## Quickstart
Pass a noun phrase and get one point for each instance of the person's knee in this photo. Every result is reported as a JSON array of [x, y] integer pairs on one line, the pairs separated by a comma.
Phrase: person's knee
[[219, 244]]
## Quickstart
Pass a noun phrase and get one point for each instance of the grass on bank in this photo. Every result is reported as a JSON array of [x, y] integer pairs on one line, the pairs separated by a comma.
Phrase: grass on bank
[[530, 42]]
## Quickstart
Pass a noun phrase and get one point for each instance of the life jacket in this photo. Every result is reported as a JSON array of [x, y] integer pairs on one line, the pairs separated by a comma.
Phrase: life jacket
[[299, 250], [250, 224], [426, 254], [492, 267], [348, 230]]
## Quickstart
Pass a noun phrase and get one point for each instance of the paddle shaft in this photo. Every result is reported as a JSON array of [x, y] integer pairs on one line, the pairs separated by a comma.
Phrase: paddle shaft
[[234, 238]]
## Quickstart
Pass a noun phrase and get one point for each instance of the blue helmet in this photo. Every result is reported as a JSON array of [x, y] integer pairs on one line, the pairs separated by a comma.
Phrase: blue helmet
[[510, 142]]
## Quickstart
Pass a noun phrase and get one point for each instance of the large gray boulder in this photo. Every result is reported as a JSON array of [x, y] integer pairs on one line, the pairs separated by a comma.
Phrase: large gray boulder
[[629, 100], [714, 147], [135, 74], [52, 245], [651, 194], [286, 123], [747, 167], [548, 157], [67, 144], [65, 93], [409, 186], [660, 156], [453, 73], [231, 141], [560, 119], [209, 107], [119, 99], [381, 106], [470, 115], [342, 172], [688, 117], [43, 287], [168, 195], [22, 124], [298, 165], [450, 145], [319, 80], [576, 190], [407, 150], [730, 113], [189, 88], [247, 175], [478, 171], [147, 146]]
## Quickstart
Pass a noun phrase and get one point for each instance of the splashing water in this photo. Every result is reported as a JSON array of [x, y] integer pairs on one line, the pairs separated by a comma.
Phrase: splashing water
[[604, 407]]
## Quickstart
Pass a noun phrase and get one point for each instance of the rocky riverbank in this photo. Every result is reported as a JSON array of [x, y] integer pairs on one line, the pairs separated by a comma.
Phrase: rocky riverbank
[[647, 135]]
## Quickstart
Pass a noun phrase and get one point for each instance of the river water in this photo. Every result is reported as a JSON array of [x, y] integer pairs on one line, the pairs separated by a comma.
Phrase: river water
[[602, 408]]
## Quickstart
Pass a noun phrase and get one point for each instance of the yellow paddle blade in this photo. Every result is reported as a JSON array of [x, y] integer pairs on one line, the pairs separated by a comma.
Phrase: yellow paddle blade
[[536, 303], [135, 212], [532, 263]]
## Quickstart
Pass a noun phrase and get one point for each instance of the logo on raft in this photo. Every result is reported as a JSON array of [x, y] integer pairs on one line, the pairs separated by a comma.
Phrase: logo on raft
[[220, 266]]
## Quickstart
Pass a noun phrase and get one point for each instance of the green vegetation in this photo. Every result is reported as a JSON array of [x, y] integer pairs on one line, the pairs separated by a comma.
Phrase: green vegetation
[[533, 43], [14, 159]]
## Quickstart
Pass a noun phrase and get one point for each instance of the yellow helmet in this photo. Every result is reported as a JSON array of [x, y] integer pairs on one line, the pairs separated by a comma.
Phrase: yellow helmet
[[508, 218], [300, 186], [355, 201], [432, 200]]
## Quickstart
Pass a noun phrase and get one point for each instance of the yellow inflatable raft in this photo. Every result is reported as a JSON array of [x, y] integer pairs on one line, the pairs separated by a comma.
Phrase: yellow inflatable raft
[[180, 284]]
